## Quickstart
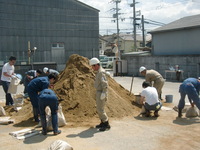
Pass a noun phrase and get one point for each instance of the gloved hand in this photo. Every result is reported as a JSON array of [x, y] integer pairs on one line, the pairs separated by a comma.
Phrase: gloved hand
[[13, 77], [103, 96]]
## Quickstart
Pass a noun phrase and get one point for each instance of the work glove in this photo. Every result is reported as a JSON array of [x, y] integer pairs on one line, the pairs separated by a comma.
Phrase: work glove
[[103, 96], [13, 77]]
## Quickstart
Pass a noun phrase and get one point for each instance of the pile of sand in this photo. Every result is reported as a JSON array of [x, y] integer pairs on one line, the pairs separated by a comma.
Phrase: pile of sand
[[76, 87]]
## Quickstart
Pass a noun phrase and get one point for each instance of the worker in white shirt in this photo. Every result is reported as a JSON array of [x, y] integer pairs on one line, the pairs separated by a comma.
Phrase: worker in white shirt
[[6, 76], [149, 98]]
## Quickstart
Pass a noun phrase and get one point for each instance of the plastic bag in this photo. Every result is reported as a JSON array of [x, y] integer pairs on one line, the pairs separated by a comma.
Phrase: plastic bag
[[12, 89], [192, 112], [60, 145], [2, 111]]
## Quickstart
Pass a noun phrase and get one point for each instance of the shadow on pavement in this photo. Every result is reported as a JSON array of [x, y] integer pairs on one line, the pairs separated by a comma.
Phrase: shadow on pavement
[[26, 123], [186, 121], [85, 134], [35, 139], [143, 118]]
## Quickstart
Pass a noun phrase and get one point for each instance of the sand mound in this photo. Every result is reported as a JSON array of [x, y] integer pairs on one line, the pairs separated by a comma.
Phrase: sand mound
[[76, 87]]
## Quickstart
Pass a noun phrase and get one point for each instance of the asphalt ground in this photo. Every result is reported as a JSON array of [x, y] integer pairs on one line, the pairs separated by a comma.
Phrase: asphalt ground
[[132, 133]]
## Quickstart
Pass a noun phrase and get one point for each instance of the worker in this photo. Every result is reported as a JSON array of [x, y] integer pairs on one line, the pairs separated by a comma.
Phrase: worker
[[101, 85], [37, 85], [6, 76], [48, 71], [47, 97], [29, 75], [155, 77], [149, 98], [191, 88]]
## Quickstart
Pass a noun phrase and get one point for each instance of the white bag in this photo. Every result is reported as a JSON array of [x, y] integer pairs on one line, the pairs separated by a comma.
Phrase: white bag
[[12, 89], [61, 118], [2, 111], [18, 100], [60, 145], [192, 112]]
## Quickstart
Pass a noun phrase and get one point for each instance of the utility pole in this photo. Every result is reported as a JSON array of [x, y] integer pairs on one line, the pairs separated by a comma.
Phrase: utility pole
[[134, 25], [143, 35], [117, 19]]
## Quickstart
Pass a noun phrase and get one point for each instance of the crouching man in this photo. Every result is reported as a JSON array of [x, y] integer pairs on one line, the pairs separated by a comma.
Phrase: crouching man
[[149, 98]]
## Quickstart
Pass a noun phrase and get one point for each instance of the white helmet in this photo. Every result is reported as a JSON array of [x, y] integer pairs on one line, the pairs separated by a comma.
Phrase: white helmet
[[142, 69], [94, 61], [45, 69]]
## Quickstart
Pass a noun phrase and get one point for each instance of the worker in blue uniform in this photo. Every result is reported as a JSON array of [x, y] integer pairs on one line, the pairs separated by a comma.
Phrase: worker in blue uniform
[[30, 75], [37, 85], [189, 87], [47, 97]]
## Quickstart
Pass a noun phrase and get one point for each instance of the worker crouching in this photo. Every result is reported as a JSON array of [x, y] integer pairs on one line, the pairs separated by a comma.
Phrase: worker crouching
[[149, 98], [101, 85]]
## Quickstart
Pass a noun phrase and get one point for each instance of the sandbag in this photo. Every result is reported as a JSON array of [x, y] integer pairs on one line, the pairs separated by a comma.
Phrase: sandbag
[[61, 118], [12, 89], [2, 111], [60, 145], [192, 112], [18, 100]]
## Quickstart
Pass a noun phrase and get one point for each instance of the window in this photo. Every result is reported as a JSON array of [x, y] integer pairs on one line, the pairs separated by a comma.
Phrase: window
[[57, 45]]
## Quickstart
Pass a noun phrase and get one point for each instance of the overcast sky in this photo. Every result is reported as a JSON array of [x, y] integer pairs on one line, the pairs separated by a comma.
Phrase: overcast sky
[[162, 11]]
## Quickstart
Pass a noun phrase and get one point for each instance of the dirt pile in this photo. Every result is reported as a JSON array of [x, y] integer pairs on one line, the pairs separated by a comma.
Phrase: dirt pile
[[76, 87]]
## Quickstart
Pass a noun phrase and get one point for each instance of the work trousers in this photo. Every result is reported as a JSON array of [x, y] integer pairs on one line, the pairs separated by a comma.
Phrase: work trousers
[[158, 84], [34, 101], [9, 99], [101, 107], [189, 90], [53, 105], [155, 107]]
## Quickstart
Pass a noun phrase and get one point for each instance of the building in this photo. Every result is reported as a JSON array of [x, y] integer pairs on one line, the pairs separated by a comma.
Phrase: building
[[58, 28], [176, 43], [180, 37]]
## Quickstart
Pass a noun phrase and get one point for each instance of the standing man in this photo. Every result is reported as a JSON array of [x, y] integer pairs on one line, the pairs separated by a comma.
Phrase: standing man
[[149, 98], [155, 77], [101, 85], [8, 73], [34, 87], [29, 75], [48, 71], [189, 87], [47, 97]]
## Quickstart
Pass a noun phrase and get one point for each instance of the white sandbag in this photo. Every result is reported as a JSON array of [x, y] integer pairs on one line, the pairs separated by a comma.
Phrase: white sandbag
[[60, 145], [192, 112], [2, 111], [6, 120], [13, 85], [18, 100], [61, 118]]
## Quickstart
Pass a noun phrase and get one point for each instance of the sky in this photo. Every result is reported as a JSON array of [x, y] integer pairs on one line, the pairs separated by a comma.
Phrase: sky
[[156, 13]]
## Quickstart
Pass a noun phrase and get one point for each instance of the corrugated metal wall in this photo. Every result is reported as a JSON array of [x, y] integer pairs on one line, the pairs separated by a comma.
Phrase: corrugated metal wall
[[43, 22], [179, 42]]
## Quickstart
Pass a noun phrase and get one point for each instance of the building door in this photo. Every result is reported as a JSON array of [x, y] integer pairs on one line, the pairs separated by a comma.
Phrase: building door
[[58, 55]]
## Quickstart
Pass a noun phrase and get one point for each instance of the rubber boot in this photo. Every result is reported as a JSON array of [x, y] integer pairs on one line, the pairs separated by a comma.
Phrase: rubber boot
[[100, 125], [36, 114], [179, 113], [105, 126], [44, 124]]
